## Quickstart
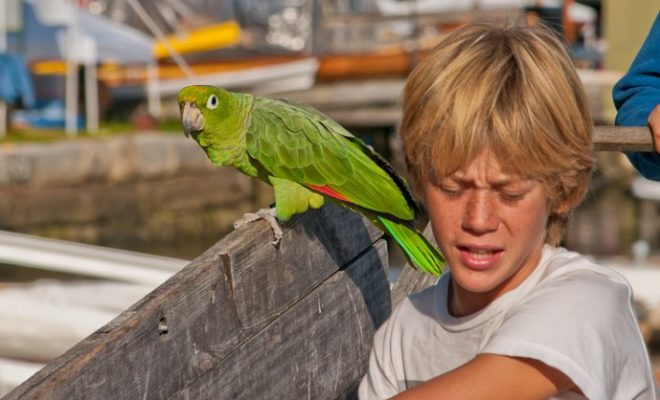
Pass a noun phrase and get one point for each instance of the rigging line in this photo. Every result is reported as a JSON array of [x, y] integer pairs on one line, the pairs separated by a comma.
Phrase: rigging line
[[155, 30]]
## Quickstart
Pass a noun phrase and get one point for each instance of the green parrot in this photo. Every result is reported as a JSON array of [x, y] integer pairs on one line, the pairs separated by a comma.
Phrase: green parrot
[[307, 158]]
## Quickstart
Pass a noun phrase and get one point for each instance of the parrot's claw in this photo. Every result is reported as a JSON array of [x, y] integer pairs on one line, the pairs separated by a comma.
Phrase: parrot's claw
[[267, 214]]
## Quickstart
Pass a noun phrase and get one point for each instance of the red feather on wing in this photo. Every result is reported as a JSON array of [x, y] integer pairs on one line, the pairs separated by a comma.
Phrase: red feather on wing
[[327, 190]]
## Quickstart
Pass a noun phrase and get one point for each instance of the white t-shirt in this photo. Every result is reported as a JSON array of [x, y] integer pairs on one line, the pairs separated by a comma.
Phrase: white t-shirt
[[570, 314]]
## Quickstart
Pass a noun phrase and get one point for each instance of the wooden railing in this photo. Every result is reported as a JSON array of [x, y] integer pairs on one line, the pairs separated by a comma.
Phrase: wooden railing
[[244, 320], [622, 138]]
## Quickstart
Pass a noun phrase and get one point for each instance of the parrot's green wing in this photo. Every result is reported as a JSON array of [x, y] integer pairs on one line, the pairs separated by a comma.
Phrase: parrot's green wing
[[298, 143]]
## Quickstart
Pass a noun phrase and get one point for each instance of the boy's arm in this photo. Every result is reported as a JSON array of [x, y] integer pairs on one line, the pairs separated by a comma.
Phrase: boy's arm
[[637, 94], [491, 376]]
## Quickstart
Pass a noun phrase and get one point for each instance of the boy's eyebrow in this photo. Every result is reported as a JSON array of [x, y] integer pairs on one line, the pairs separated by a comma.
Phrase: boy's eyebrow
[[497, 183]]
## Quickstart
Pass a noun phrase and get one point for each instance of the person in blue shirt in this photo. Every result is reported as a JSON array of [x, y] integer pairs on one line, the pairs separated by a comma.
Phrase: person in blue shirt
[[637, 99]]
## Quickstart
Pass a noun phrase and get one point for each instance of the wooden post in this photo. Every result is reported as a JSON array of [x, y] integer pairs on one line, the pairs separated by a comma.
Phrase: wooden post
[[243, 320], [3, 120]]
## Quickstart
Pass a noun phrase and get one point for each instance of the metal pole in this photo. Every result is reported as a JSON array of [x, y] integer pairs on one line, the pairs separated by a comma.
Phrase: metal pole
[[71, 85], [91, 98], [155, 30], [153, 90], [71, 97], [58, 255]]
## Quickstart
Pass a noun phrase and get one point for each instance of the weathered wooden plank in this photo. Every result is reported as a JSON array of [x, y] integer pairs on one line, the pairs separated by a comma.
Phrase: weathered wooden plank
[[193, 321], [316, 349], [622, 138], [411, 279], [149, 350], [265, 281]]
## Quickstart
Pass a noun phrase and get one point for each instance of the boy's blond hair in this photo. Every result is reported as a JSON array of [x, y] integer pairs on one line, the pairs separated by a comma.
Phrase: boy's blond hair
[[513, 89]]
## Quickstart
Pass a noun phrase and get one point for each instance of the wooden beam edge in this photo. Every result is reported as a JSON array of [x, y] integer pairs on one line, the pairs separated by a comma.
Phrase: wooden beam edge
[[623, 138], [359, 274]]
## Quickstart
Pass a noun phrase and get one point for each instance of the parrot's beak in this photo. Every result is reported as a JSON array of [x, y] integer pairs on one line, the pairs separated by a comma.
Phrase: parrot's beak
[[191, 119]]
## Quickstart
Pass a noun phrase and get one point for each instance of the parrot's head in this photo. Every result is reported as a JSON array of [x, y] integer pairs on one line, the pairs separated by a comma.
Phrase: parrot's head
[[202, 106]]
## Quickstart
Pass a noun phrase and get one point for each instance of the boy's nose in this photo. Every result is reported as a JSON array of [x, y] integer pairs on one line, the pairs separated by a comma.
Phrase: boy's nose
[[480, 215]]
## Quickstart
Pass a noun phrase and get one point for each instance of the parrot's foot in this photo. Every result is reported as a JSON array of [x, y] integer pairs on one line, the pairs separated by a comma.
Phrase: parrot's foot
[[267, 214]]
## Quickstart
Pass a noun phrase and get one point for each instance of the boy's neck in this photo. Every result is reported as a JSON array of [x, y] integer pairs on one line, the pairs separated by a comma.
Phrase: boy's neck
[[461, 303]]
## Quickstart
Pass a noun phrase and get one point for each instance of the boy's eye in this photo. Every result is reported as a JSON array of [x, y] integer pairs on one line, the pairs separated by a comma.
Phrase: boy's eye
[[511, 197], [451, 190]]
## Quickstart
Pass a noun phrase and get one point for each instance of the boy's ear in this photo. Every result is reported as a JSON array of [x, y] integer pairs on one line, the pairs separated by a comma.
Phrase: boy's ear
[[562, 207]]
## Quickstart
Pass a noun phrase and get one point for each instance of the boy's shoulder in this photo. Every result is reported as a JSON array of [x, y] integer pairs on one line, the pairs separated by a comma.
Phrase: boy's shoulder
[[573, 288], [574, 271]]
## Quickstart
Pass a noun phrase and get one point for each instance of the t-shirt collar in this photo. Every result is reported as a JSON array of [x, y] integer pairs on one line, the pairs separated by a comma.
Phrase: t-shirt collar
[[492, 310]]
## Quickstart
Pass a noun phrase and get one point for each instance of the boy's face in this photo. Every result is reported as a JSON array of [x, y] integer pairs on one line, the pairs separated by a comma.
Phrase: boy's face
[[490, 225]]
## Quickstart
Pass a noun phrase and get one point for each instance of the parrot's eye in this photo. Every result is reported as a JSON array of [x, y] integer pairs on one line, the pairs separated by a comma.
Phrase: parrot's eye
[[212, 102]]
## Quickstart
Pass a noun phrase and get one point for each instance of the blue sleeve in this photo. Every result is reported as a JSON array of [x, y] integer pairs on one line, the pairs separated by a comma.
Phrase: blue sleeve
[[637, 93]]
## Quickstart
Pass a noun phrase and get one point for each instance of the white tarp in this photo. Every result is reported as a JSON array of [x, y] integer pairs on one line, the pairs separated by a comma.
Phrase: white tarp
[[58, 29]]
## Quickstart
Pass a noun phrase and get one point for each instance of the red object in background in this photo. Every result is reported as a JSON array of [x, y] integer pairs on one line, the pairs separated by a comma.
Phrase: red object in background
[[569, 27], [143, 121]]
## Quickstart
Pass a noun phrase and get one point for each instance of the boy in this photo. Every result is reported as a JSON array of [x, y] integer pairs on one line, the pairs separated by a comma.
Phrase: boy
[[497, 137]]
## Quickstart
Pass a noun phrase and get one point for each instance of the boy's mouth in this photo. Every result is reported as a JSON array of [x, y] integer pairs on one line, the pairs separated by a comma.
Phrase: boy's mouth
[[479, 258], [480, 253]]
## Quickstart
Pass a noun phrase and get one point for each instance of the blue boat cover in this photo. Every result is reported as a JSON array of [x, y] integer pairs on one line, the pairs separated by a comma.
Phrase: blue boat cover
[[15, 81]]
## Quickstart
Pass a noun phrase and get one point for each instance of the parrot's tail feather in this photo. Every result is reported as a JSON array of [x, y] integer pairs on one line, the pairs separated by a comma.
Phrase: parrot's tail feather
[[418, 250]]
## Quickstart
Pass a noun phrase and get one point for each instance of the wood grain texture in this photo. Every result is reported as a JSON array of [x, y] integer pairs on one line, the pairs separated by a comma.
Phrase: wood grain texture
[[207, 312], [623, 138], [286, 274], [316, 349]]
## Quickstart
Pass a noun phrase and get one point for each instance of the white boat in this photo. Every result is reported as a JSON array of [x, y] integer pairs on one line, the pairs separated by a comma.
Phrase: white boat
[[269, 78], [42, 319]]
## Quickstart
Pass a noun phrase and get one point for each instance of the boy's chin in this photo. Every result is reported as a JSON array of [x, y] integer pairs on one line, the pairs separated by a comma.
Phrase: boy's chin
[[473, 284]]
